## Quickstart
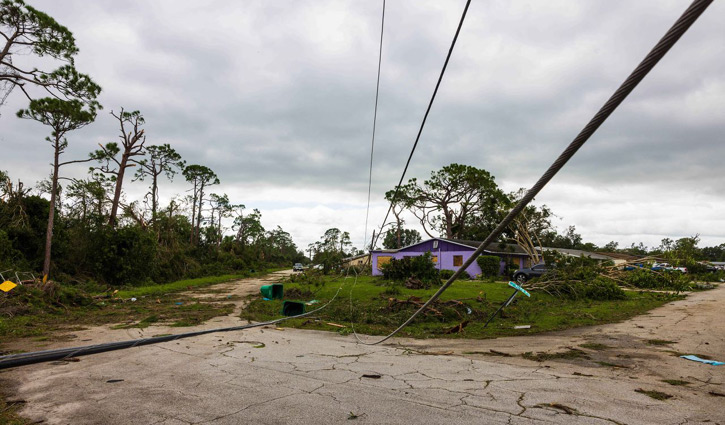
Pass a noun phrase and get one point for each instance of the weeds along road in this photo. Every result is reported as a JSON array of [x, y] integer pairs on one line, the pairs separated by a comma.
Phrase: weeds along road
[[611, 374]]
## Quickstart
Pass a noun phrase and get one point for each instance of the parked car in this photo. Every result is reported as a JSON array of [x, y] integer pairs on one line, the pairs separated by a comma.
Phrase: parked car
[[523, 275], [298, 267], [635, 266], [666, 267]]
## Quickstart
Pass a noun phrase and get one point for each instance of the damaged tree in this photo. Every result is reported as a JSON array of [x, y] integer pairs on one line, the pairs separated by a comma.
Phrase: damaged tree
[[132, 141], [200, 177], [62, 116]]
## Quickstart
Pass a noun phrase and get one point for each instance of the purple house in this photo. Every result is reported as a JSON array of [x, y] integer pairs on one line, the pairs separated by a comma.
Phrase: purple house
[[450, 254]]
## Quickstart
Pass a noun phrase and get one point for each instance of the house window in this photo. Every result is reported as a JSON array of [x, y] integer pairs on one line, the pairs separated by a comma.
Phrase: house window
[[435, 244], [383, 259], [434, 258], [457, 260]]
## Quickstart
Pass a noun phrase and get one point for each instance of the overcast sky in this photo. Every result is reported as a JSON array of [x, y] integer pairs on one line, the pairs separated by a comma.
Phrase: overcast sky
[[277, 98]]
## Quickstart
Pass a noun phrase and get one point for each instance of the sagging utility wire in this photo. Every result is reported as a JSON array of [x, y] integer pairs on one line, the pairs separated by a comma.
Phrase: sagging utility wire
[[425, 117], [653, 57], [375, 120], [15, 360]]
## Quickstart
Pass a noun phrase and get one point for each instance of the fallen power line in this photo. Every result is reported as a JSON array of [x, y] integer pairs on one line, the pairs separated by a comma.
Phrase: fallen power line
[[14, 360], [663, 46], [653, 57]]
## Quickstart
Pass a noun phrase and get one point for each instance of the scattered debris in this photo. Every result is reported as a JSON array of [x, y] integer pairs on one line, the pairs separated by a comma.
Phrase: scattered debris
[[458, 328], [716, 394], [581, 374], [572, 353], [113, 381], [372, 376], [558, 406], [675, 382], [659, 342], [352, 416], [336, 325], [522, 327], [619, 366], [594, 346], [133, 299], [415, 283], [701, 360], [489, 353], [654, 394]]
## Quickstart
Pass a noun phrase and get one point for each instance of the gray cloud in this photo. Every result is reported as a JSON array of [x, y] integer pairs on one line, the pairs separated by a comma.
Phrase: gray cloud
[[280, 94]]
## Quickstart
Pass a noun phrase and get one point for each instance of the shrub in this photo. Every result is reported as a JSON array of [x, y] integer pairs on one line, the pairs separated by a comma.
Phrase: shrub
[[420, 267], [603, 289], [125, 256], [489, 265], [446, 274]]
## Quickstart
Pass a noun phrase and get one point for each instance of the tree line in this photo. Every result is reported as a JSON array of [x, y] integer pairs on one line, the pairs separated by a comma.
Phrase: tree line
[[464, 202], [86, 228]]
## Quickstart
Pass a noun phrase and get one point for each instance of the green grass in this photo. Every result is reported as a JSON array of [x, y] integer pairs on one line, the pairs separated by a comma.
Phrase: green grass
[[375, 313], [178, 286], [30, 313], [8, 413]]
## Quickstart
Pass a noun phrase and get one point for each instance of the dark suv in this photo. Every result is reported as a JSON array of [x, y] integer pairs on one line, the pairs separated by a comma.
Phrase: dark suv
[[523, 275]]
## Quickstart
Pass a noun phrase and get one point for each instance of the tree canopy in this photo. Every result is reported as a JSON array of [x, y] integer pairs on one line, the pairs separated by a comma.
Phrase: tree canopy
[[24, 29], [458, 201]]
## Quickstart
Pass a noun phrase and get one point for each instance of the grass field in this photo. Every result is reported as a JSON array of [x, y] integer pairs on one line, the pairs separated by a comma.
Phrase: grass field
[[378, 307], [29, 313]]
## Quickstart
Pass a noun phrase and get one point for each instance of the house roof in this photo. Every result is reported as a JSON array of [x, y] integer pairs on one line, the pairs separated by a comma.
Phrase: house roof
[[621, 256], [356, 257], [493, 248], [507, 248], [579, 253]]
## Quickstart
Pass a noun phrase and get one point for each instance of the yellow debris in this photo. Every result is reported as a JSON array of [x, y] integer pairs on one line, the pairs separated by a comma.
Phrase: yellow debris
[[7, 286]]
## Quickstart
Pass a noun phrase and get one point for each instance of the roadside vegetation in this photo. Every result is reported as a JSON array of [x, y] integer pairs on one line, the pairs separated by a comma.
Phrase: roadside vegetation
[[38, 312], [377, 306]]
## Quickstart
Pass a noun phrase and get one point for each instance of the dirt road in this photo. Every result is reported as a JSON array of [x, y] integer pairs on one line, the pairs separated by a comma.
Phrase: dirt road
[[272, 376]]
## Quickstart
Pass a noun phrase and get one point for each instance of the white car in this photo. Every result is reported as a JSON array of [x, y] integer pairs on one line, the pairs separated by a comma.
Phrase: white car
[[668, 267]]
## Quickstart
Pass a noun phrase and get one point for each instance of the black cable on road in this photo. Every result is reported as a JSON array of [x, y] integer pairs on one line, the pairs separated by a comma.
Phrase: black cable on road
[[425, 117], [375, 120], [22, 359], [661, 48]]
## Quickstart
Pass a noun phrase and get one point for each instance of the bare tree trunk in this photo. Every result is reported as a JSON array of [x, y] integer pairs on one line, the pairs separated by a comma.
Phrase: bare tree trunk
[[198, 213], [193, 215], [154, 198], [51, 212], [117, 194], [219, 242]]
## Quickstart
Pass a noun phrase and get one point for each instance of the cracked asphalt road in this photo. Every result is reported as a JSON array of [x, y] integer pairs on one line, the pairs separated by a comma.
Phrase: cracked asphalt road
[[302, 376]]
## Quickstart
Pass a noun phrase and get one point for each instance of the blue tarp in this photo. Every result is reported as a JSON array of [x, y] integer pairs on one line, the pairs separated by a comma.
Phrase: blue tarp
[[697, 359]]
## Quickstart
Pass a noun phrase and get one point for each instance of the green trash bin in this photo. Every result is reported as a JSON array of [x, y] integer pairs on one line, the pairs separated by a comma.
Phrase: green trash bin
[[293, 308], [273, 292]]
